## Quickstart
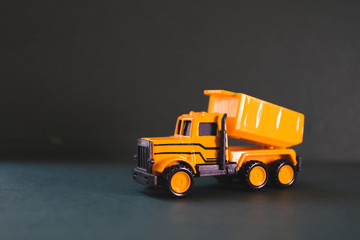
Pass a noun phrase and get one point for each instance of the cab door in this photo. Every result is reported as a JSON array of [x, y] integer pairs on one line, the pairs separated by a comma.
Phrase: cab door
[[208, 138]]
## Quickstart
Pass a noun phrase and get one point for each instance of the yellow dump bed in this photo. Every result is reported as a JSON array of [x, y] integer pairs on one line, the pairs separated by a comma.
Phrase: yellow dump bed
[[256, 120]]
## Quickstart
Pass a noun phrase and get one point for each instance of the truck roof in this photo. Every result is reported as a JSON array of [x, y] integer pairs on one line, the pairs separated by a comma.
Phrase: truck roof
[[199, 114]]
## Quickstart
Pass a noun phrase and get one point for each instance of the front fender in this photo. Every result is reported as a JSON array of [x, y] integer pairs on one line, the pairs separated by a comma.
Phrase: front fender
[[160, 165]]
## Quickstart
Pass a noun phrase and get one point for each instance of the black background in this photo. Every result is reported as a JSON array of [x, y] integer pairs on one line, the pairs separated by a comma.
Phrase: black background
[[83, 80], [91, 77]]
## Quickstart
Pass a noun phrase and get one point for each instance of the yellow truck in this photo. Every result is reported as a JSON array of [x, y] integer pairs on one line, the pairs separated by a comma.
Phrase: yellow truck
[[199, 146]]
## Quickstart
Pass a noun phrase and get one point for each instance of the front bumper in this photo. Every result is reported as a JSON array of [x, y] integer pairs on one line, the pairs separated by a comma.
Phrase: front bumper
[[144, 178]]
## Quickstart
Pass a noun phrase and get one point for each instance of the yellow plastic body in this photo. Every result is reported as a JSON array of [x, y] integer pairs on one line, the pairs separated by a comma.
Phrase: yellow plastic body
[[242, 154], [256, 120], [274, 128]]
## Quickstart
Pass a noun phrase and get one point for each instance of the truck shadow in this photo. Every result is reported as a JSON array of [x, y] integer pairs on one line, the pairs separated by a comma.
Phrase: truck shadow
[[301, 192]]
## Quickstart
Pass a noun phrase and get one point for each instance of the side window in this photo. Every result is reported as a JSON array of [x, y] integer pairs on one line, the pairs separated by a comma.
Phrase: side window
[[178, 127], [207, 129], [187, 128]]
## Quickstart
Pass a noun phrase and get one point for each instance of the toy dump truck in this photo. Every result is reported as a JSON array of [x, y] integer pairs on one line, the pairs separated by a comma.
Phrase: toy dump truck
[[199, 146]]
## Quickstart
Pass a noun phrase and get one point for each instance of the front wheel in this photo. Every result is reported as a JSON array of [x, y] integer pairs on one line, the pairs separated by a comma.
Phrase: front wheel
[[179, 180]]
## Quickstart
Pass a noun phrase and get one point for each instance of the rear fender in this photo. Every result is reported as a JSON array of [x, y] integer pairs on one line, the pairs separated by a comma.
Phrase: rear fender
[[269, 157]]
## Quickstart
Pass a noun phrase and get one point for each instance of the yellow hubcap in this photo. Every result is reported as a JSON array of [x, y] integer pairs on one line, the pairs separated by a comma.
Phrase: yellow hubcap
[[180, 182], [257, 176], [286, 174]]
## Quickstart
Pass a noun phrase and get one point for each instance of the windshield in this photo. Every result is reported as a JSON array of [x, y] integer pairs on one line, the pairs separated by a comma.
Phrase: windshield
[[187, 128], [178, 127]]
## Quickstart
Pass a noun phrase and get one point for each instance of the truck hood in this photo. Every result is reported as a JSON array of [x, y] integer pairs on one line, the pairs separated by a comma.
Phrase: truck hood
[[168, 140]]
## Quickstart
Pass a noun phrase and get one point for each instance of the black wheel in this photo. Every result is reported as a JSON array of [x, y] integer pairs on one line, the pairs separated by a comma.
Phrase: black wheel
[[283, 173], [179, 180], [254, 174]]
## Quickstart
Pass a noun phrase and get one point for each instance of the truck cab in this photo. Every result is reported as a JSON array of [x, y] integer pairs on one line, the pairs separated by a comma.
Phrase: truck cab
[[196, 141]]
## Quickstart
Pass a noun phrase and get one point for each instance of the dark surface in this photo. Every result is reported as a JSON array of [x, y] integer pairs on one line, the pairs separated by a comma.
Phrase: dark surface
[[80, 76], [64, 200]]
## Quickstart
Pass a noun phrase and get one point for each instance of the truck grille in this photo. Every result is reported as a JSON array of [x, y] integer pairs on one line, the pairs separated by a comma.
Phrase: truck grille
[[144, 154]]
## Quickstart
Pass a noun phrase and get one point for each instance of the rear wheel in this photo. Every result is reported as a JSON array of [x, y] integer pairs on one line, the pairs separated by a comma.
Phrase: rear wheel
[[254, 174], [179, 180], [284, 174]]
